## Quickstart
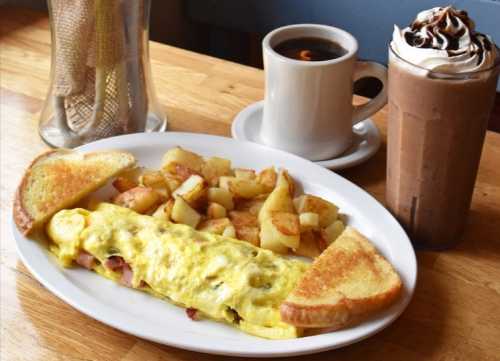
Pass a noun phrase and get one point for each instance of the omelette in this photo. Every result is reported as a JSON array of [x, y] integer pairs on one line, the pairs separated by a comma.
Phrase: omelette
[[212, 276]]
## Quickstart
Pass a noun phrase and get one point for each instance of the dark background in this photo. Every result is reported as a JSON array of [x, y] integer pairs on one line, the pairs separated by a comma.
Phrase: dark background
[[233, 29]]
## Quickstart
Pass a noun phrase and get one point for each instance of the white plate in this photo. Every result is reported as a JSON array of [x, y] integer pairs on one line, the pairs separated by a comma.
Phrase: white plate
[[365, 142], [139, 314]]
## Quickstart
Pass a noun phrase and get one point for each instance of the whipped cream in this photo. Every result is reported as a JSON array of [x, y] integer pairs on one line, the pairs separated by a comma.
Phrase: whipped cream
[[444, 39]]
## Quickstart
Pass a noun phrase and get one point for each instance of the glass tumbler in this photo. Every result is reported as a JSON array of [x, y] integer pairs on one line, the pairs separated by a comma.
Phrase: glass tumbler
[[436, 129]]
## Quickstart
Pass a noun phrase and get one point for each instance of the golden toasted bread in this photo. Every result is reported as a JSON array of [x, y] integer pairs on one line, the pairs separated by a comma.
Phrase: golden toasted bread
[[347, 282], [59, 178]]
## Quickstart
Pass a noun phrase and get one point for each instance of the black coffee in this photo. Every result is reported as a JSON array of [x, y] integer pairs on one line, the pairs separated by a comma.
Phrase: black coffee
[[310, 49]]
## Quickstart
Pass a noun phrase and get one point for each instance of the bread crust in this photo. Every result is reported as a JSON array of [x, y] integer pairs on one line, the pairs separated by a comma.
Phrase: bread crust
[[22, 218], [336, 316], [321, 298]]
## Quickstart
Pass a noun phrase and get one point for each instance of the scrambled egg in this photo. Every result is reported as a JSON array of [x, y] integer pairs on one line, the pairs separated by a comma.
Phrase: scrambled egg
[[223, 278]]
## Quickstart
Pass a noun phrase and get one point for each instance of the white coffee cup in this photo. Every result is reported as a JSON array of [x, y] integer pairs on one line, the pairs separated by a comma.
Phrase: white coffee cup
[[308, 106]]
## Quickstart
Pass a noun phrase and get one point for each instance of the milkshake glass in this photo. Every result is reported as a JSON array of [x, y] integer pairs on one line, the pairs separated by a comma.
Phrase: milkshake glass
[[440, 100]]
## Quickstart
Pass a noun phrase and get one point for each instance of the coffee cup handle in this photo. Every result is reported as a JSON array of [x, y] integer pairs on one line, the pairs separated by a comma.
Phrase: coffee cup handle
[[366, 69]]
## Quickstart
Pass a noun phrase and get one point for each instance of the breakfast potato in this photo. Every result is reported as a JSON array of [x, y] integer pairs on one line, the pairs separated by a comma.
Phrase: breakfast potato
[[241, 188], [243, 173], [268, 177], [281, 227], [140, 199], [308, 203], [248, 234], [242, 218], [333, 231], [308, 221], [164, 211], [128, 179], [171, 180], [216, 226], [123, 184], [192, 190], [183, 213], [287, 228], [229, 231], [221, 196], [215, 167], [215, 210], [284, 179], [279, 200], [270, 237], [178, 158], [154, 179], [253, 205], [160, 212], [309, 245]]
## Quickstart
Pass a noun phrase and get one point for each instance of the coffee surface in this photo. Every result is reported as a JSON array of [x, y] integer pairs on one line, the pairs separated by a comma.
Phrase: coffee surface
[[310, 49]]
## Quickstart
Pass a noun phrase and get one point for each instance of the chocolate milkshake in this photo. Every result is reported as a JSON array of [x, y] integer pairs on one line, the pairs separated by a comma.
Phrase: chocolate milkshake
[[442, 83]]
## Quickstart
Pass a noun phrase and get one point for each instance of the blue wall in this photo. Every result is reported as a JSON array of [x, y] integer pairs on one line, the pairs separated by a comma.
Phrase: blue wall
[[370, 21]]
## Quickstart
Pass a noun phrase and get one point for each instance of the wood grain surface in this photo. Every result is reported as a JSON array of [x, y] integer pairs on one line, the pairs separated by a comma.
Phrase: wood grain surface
[[455, 314]]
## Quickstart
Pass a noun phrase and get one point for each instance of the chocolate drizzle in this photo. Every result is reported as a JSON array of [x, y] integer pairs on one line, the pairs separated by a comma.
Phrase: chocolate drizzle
[[449, 29]]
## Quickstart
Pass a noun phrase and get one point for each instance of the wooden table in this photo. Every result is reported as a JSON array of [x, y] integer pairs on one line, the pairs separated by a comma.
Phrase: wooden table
[[455, 314]]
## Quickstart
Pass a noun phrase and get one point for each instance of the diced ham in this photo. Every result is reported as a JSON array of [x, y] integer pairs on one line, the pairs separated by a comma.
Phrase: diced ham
[[127, 275], [85, 259], [192, 313], [115, 263], [118, 264]]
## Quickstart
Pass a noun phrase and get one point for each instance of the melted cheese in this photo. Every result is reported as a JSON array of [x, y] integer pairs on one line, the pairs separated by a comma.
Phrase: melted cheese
[[225, 279]]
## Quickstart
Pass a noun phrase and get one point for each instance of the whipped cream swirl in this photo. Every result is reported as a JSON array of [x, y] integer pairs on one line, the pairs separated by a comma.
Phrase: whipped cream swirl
[[444, 39]]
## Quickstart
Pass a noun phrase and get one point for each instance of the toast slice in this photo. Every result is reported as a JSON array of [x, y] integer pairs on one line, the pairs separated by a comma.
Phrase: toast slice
[[60, 178], [349, 281]]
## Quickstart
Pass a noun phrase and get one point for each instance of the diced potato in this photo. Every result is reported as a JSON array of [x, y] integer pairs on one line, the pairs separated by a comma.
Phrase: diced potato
[[241, 219], [249, 234], [284, 179], [172, 181], [308, 203], [334, 230], [280, 231], [308, 245], [169, 207], [160, 212], [139, 199], [221, 196], [192, 189], [164, 211], [241, 188], [243, 173], [288, 227], [308, 221], [216, 226], [342, 217], [133, 174], [253, 205], [183, 213], [215, 167], [179, 171], [279, 200], [270, 237], [229, 232], [178, 156], [267, 177], [215, 210], [122, 184], [155, 180]]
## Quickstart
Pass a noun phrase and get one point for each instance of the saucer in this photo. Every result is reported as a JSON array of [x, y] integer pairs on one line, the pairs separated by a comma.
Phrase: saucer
[[366, 139]]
